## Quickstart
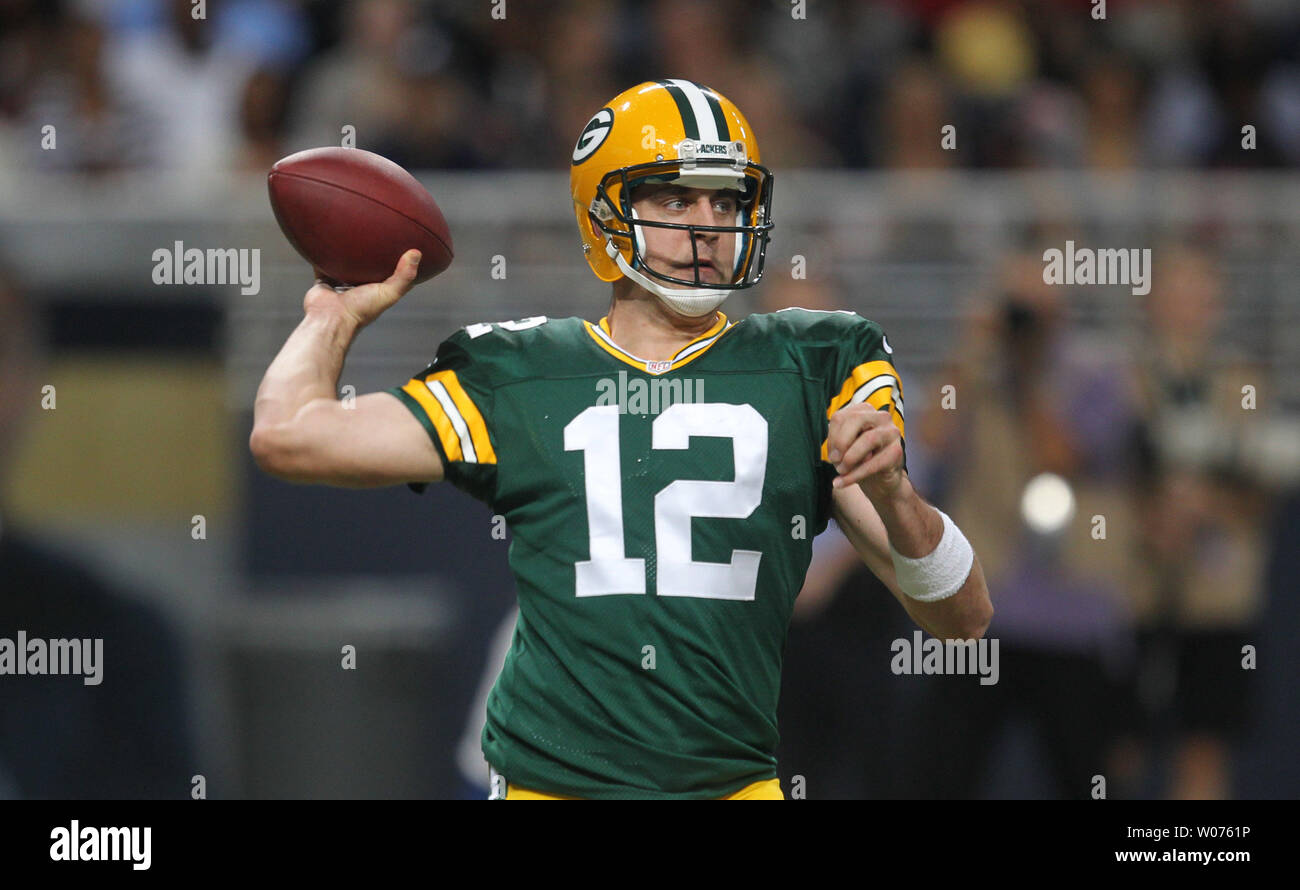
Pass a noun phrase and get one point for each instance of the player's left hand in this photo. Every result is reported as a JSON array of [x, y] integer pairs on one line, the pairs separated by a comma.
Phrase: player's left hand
[[866, 447]]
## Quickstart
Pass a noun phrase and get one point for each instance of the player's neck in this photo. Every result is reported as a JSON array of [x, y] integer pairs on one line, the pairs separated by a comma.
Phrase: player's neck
[[640, 323]]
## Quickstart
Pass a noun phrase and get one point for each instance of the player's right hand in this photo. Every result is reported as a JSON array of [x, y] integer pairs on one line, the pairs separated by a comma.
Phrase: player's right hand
[[866, 448], [365, 302]]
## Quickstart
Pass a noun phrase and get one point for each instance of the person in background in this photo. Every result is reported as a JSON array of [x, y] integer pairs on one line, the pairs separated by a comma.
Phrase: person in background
[[1202, 508], [1031, 396]]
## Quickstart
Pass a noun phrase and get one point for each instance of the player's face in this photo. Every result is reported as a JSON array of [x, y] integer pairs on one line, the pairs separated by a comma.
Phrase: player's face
[[668, 251]]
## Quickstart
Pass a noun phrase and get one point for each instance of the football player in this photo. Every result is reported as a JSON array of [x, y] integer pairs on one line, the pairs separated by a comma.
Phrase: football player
[[663, 470]]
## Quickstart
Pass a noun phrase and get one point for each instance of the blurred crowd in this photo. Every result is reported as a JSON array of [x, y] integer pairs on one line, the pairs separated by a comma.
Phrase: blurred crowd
[[466, 85], [1127, 623]]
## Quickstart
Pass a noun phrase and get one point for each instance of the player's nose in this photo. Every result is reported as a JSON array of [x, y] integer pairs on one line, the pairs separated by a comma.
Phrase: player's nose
[[702, 214]]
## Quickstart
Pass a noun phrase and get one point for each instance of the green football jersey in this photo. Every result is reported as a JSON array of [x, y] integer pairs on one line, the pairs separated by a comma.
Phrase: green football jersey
[[662, 517]]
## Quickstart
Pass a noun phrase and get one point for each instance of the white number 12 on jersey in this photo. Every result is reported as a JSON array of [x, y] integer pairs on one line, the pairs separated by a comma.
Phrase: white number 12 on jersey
[[609, 571]]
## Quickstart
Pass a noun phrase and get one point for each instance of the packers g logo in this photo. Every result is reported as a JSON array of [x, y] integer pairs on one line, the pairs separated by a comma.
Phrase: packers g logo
[[593, 135]]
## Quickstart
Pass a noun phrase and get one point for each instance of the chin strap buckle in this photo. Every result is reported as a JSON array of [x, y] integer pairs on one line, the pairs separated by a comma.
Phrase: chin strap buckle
[[600, 209]]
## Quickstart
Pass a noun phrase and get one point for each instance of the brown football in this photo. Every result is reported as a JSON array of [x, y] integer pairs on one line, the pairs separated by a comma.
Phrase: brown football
[[353, 213]]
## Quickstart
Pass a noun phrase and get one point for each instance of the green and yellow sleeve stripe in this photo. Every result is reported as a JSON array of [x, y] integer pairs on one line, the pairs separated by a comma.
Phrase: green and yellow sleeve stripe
[[454, 417], [877, 384]]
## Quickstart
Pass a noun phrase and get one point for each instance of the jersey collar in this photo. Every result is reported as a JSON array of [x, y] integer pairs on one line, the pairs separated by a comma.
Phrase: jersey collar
[[688, 353]]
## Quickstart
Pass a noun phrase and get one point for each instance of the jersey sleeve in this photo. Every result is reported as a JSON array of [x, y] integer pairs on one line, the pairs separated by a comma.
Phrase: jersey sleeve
[[452, 398], [862, 370]]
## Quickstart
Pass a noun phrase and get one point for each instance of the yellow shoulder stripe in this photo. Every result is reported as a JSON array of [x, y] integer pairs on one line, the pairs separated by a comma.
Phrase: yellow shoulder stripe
[[450, 441], [455, 417], [857, 377], [881, 398]]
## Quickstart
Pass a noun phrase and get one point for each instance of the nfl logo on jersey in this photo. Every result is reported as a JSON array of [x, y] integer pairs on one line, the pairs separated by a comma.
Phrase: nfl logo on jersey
[[657, 367]]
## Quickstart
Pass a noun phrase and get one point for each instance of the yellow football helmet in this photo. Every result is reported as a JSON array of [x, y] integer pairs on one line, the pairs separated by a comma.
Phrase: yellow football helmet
[[668, 131]]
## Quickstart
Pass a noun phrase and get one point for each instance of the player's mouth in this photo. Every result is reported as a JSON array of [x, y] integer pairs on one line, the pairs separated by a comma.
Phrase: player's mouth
[[706, 271]]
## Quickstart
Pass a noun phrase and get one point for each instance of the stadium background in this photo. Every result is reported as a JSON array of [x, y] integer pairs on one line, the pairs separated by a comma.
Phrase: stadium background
[[1124, 132]]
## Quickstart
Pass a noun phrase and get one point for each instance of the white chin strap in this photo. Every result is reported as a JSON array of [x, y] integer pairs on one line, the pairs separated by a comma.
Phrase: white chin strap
[[693, 302]]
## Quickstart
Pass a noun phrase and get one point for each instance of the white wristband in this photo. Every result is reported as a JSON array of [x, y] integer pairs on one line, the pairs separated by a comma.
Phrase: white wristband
[[940, 574]]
